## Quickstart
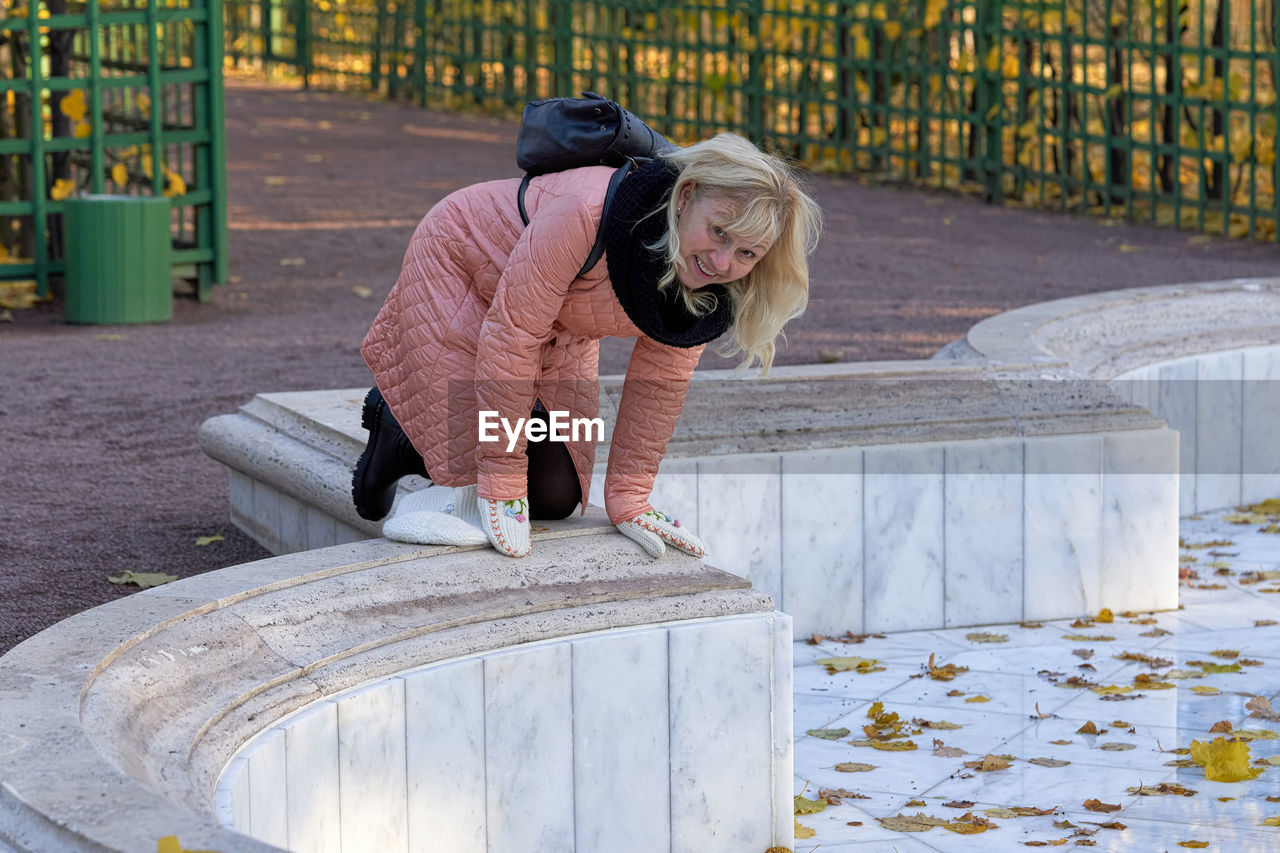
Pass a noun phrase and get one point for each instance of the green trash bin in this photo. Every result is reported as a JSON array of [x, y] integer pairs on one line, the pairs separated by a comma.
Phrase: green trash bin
[[117, 259]]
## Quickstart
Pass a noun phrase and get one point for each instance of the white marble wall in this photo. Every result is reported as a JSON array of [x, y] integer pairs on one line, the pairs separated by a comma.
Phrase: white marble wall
[[1225, 406], [919, 536], [669, 738], [281, 523]]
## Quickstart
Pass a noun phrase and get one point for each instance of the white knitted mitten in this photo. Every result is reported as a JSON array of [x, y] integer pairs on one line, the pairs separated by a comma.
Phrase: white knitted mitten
[[651, 529], [506, 523], [437, 515]]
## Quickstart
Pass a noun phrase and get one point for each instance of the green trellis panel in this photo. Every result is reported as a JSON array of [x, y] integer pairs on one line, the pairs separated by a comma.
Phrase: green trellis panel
[[1155, 110], [120, 96]]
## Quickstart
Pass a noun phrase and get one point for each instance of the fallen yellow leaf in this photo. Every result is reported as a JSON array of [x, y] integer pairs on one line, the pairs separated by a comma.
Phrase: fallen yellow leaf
[[804, 806], [143, 579], [803, 831], [1112, 690], [969, 824], [209, 540], [1224, 760], [988, 763], [893, 745], [978, 698], [1193, 843]]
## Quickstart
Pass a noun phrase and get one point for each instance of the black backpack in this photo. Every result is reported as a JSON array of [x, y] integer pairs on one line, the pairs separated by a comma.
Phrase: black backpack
[[567, 133]]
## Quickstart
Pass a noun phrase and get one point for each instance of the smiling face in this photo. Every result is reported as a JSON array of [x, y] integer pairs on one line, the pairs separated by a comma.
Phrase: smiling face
[[712, 254]]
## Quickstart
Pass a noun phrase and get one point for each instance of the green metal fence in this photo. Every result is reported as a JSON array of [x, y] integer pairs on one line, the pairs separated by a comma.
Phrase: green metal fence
[[117, 97], [1156, 110]]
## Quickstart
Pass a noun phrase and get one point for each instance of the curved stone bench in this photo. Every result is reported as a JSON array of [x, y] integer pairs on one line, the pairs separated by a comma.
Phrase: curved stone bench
[[334, 700], [861, 498], [1201, 357]]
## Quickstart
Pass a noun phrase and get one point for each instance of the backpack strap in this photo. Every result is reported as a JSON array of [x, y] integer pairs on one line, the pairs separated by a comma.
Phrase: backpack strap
[[597, 248]]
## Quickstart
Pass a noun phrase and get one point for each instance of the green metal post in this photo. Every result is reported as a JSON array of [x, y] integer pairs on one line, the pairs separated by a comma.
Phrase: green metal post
[[39, 192], [563, 62], [302, 38], [754, 84], [217, 151], [420, 51], [990, 102], [97, 167]]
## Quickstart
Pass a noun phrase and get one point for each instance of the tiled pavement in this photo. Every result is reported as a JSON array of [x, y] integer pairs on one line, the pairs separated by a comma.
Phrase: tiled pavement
[[1029, 715]]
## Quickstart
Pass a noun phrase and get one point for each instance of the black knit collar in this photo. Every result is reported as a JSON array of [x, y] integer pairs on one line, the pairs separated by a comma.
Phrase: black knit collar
[[634, 269]]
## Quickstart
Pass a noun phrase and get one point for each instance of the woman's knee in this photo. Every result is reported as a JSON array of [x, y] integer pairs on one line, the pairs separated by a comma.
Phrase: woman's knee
[[554, 490]]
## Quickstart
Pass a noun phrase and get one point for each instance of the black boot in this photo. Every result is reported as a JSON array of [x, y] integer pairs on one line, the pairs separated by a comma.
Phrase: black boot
[[387, 457]]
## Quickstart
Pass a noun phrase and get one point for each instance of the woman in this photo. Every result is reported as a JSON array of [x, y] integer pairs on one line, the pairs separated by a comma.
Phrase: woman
[[489, 316]]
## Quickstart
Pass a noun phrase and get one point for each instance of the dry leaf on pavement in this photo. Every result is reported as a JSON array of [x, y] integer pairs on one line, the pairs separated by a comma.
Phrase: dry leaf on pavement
[[919, 822], [934, 724], [943, 751], [145, 580], [828, 734], [850, 664], [969, 824], [1049, 762], [988, 763], [806, 806], [1224, 760], [1260, 707], [1016, 811], [854, 767]]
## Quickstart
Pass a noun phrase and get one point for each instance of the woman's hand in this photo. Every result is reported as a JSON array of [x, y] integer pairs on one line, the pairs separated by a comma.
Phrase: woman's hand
[[651, 529], [506, 523]]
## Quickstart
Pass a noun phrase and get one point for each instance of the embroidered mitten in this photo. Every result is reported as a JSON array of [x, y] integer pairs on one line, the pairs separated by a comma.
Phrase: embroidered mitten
[[651, 529], [506, 523]]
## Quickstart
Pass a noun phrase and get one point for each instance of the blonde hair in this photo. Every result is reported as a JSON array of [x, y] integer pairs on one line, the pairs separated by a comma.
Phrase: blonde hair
[[773, 209]]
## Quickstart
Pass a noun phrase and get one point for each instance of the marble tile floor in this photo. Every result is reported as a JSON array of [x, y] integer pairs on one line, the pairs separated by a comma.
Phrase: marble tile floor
[[1014, 701]]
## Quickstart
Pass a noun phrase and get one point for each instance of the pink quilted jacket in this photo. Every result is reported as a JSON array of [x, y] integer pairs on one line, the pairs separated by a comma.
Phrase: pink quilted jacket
[[488, 315]]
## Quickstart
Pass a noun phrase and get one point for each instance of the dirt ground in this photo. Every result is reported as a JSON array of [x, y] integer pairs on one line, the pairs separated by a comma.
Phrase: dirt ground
[[102, 472]]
